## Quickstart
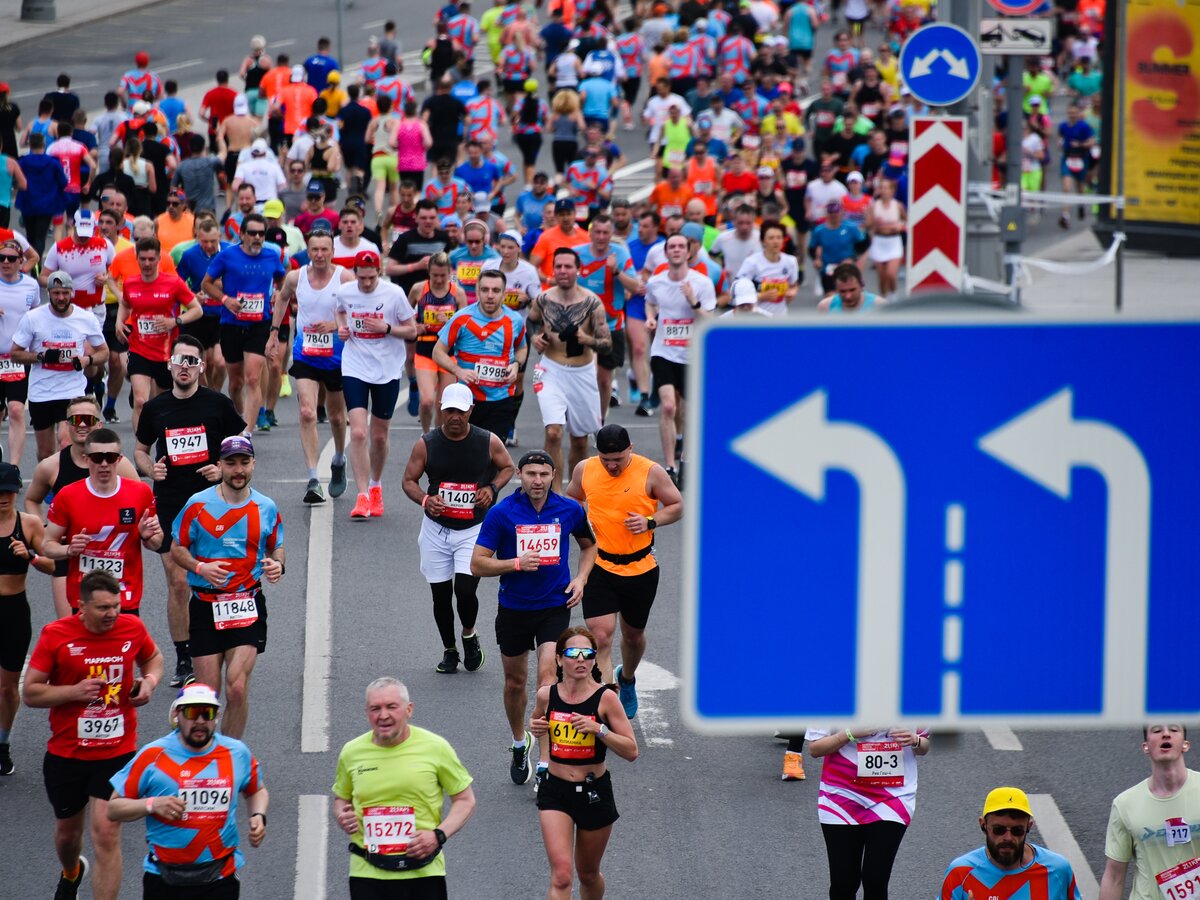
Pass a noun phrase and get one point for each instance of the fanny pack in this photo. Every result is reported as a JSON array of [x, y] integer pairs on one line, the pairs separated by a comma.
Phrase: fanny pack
[[397, 863], [187, 874], [623, 559]]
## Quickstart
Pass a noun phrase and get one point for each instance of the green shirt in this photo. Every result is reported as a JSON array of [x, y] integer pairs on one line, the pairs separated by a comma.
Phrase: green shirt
[[417, 773], [1137, 831], [489, 24]]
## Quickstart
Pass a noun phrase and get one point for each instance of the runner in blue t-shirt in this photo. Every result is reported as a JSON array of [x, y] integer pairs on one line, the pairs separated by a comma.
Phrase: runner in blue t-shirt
[[192, 267], [467, 262], [525, 540], [243, 279], [479, 174]]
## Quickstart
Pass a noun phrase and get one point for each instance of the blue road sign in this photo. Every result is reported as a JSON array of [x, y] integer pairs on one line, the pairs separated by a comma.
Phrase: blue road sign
[[940, 63], [953, 523]]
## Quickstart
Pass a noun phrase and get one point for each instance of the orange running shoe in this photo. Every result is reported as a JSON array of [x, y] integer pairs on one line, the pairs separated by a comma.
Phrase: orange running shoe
[[793, 766], [376, 500], [362, 507]]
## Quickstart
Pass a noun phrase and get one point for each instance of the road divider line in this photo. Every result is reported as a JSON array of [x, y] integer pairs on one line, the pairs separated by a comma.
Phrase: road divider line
[[312, 843], [1057, 835], [1001, 737], [652, 681], [318, 624]]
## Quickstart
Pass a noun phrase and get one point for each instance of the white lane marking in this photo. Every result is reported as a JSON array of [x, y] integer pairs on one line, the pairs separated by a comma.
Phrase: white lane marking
[[951, 692], [651, 719], [955, 527], [43, 92], [378, 23], [24, 669], [633, 168], [953, 585], [318, 626], [952, 628], [275, 45], [1057, 835], [174, 67], [1001, 737], [312, 839]]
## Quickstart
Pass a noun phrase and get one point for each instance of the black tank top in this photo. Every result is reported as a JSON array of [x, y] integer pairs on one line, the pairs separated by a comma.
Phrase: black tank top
[[568, 746], [320, 160], [430, 311], [10, 563], [456, 469], [68, 472]]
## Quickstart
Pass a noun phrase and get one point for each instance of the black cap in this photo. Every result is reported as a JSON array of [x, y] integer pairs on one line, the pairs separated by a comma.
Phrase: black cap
[[315, 187], [612, 438], [536, 458], [10, 479], [564, 205]]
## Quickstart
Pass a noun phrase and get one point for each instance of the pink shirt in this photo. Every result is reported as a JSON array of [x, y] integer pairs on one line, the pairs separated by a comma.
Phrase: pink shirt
[[847, 798]]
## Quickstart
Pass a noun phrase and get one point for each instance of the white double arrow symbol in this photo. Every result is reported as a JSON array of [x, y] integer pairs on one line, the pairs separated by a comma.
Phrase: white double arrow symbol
[[798, 446], [924, 64], [1044, 444]]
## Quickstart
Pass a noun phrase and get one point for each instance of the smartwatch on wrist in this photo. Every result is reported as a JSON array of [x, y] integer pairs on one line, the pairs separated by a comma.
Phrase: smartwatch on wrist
[[441, 836]]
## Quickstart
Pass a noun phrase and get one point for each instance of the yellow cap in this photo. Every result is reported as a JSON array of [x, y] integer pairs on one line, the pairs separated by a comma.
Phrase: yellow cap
[[1004, 798], [333, 77]]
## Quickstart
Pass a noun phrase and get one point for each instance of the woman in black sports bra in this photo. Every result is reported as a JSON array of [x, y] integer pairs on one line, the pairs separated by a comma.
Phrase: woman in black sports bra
[[583, 721], [20, 541]]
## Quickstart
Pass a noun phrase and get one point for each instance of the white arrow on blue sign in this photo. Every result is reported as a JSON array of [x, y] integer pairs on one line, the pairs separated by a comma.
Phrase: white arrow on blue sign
[[940, 64], [906, 507]]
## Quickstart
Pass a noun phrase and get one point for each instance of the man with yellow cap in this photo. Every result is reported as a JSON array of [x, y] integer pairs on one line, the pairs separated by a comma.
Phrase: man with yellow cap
[[1008, 864]]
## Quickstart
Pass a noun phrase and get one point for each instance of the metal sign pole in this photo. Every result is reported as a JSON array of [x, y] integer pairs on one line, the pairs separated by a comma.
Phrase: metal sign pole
[[1119, 288], [1014, 92]]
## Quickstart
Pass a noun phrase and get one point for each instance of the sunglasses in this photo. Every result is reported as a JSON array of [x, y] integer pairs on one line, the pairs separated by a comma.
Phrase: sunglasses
[[83, 420], [185, 362], [10, 259], [1001, 830], [255, 234], [579, 653], [207, 713], [174, 203], [109, 458]]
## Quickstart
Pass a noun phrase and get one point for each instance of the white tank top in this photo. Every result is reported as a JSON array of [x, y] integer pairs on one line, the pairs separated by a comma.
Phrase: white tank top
[[886, 214], [314, 305]]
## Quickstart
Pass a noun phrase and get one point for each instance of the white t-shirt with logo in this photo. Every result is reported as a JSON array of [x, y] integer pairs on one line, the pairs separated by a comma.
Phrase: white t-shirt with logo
[[677, 321], [373, 358], [73, 335]]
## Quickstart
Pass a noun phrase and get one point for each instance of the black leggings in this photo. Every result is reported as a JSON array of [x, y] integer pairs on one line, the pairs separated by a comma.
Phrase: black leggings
[[443, 606], [531, 145], [564, 154], [861, 854]]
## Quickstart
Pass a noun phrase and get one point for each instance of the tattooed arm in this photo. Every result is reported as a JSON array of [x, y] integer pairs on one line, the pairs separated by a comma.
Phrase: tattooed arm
[[597, 335]]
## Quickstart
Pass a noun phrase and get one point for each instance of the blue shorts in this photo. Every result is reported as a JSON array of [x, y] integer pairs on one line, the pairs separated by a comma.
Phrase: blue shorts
[[635, 308], [602, 121], [382, 396]]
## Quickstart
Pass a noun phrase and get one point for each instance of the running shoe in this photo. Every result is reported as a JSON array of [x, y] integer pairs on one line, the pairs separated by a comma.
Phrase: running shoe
[[376, 498], [1064, 221], [627, 691], [512, 440], [679, 446], [271, 418], [539, 778], [68, 888], [644, 406], [414, 398], [635, 396], [337, 479], [263, 423], [472, 653], [614, 399], [362, 507], [322, 415], [110, 415], [313, 493], [674, 476], [6, 763], [183, 671], [519, 769], [793, 766], [449, 663]]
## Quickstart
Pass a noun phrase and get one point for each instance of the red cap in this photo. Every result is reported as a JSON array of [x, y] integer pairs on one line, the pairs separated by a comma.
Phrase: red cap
[[366, 259], [142, 59], [3, 87]]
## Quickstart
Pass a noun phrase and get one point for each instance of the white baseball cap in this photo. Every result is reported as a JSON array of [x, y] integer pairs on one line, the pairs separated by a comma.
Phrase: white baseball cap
[[457, 396], [744, 292], [85, 222], [241, 106], [194, 694]]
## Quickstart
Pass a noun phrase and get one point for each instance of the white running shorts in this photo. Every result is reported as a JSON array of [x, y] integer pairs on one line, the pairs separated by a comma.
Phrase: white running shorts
[[568, 395], [445, 552]]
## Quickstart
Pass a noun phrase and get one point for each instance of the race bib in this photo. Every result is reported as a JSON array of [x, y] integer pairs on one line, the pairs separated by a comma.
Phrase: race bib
[[468, 273], [825, 119], [388, 829], [437, 314], [316, 343], [1178, 832], [492, 371], [880, 764], [795, 179], [98, 727], [458, 498], [581, 212], [512, 299], [669, 211], [9, 370], [186, 446], [751, 141], [567, 742], [676, 332], [253, 307], [1075, 164], [676, 158], [776, 286], [206, 799], [870, 110], [1181, 882], [702, 187], [544, 540], [108, 561], [539, 372], [839, 79], [357, 325], [67, 352], [237, 610], [147, 326]]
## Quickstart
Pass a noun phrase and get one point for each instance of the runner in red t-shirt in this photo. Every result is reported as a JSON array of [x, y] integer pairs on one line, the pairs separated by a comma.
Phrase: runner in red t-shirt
[[99, 524], [153, 305], [83, 671], [216, 105]]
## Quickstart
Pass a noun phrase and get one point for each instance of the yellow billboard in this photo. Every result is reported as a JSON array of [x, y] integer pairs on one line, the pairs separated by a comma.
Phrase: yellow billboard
[[1162, 112]]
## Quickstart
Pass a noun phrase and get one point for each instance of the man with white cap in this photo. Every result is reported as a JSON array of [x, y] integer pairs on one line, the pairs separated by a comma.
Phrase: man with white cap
[[467, 467], [186, 786], [1008, 864], [85, 255], [59, 340], [262, 171], [744, 300]]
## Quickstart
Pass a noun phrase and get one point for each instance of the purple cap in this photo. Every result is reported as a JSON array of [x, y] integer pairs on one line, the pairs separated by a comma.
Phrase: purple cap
[[238, 445]]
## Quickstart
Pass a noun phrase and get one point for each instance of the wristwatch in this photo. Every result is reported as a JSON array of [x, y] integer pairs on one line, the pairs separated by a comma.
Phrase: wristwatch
[[441, 836], [650, 523], [603, 732], [178, 321], [264, 817]]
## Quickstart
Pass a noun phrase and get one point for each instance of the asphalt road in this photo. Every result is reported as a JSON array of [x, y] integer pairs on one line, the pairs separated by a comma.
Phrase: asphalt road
[[701, 816]]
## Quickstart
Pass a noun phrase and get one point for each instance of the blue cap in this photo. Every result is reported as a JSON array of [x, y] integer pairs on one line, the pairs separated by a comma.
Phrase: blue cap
[[315, 187], [237, 445], [693, 231], [451, 219]]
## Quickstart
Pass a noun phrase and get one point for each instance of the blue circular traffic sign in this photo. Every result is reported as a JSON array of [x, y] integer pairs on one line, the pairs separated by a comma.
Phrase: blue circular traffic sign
[[940, 64], [1017, 7]]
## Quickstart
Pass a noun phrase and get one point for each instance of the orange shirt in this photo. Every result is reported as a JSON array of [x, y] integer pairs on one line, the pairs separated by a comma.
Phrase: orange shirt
[[171, 232], [670, 202], [124, 265], [703, 182], [551, 240], [297, 101], [274, 80], [656, 67]]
